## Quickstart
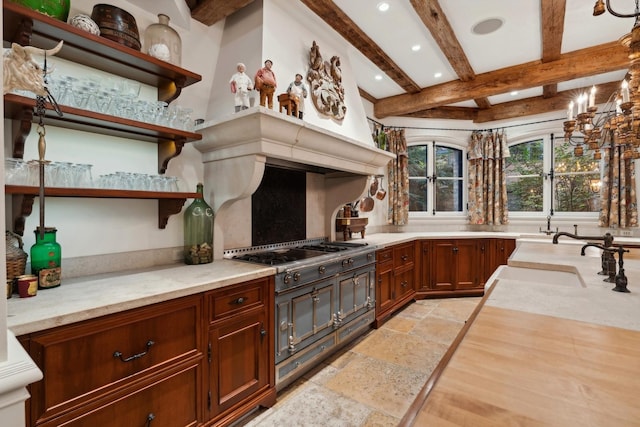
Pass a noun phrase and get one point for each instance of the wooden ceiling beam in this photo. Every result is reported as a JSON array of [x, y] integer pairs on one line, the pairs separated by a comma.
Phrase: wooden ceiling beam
[[438, 25], [211, 11], [540, 105], [581, 63], [339, 21], [552, 29], [453, 113]]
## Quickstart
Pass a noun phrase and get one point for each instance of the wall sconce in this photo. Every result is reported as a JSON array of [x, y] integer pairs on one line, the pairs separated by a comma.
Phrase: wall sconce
[[595, 185]]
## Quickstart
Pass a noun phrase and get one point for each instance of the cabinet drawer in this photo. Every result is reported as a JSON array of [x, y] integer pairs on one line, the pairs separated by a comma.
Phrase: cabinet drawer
[[233, 300], [403, 255], [169, 402], [83, 361], [383, 256]]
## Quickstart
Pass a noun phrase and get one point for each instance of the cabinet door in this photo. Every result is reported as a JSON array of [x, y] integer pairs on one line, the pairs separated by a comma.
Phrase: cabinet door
[[424, 278], [443, 265], [468, 263], [239, 363], [170, 402], [384, 288], [403, 283]]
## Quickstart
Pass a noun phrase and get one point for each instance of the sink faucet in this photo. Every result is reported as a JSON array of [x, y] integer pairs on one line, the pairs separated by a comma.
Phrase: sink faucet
[[608, 262], [619, 279], [607, 238], [548, 231]]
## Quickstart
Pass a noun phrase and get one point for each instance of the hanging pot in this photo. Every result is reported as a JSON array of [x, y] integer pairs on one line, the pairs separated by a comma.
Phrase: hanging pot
[[366, 204], [374, 187], [381, 193]]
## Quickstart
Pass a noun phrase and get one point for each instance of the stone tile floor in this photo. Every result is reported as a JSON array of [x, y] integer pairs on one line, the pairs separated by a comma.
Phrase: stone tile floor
[[373, 381]]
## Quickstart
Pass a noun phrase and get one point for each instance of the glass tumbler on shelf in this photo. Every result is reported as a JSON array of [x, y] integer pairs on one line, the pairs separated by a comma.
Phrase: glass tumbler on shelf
[[198, 231], [163, 42]]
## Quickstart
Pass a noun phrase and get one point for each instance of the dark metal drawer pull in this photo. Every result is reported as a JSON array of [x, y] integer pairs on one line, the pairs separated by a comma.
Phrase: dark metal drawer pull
[[239, 300], [150, 418], [118, 354]]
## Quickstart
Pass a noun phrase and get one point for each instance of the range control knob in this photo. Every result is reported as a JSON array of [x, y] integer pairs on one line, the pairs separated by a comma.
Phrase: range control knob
[[322, 269], [296, 276], [287, 279]]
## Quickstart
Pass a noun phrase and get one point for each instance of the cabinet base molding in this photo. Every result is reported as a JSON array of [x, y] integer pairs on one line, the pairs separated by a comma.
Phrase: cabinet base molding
[[450, 294]]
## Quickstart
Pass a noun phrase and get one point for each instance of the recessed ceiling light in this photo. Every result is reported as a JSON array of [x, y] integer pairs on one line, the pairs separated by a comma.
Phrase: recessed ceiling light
[[514, 93], [416, 47], [487, 26], [437, 75], [383, 6], [378, 77]]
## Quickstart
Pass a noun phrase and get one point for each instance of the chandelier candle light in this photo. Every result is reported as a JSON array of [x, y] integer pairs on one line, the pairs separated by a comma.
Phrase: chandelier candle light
[[618, 124]]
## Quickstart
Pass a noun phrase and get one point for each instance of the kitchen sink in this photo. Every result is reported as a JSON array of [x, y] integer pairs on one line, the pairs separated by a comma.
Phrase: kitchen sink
[[532, 275]]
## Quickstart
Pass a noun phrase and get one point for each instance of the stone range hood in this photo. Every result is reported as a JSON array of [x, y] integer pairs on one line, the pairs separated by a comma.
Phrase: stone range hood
[[236, 148]]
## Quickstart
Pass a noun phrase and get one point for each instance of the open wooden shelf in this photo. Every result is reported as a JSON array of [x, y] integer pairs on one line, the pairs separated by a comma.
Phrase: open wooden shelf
[[28, 27], [169, 203]]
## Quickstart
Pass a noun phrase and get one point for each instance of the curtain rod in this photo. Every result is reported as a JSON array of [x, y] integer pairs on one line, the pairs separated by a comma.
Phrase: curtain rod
[[461, 129]]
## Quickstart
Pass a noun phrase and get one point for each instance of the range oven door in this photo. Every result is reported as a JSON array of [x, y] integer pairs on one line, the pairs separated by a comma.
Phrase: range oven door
[[303, 316], [356, 294]]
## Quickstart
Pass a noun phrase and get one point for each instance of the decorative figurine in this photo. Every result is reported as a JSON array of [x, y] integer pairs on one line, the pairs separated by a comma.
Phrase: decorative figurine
[[22, 72], [265, 83], [325, 77], [297, 91], [241, 84]]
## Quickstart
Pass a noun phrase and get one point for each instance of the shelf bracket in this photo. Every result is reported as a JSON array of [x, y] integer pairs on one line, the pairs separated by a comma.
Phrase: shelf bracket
[[21, 127], [167, 150], [24, 32], [22, 206], [170, 91], [166, 208]]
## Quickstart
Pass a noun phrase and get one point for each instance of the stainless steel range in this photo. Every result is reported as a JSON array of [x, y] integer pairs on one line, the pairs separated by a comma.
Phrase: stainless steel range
[[325, 297]]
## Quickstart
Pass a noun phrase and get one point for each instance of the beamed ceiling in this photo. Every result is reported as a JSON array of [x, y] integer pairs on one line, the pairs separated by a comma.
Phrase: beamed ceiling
[[546, 50]]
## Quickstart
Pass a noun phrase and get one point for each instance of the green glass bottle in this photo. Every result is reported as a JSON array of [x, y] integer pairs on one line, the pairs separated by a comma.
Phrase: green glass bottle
[[46, 256], [198, 231]]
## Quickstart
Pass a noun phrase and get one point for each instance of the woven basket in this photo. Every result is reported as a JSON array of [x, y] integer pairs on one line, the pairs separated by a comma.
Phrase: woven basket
[[16, 257]]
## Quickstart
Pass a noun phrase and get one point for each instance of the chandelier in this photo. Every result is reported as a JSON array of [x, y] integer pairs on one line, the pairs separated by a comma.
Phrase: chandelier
[[618, 124]]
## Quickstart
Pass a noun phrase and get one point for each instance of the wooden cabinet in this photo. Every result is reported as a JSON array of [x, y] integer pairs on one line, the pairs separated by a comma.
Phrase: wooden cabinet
[[498, 252], [27, 27], [459, 267], [241, 357], [451, 267], [205, 359], [119, 369], [395, 279]]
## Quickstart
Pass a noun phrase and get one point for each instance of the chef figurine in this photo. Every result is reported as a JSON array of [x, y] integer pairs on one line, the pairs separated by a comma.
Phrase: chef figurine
[[266, 84], [241, 84], [297, 91]]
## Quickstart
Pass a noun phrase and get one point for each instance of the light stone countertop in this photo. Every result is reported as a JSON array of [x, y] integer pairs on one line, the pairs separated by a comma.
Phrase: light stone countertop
[[84, 298], [555, 280], [89, 297]]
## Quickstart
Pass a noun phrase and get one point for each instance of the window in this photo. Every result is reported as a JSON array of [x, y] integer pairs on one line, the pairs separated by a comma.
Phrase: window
[[567, 189], [572, 180], [436, 186], [524, 172]]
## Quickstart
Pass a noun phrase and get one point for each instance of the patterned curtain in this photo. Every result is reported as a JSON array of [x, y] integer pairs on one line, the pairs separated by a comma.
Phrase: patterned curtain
[[618, 194], [487, 182], [398, 171]]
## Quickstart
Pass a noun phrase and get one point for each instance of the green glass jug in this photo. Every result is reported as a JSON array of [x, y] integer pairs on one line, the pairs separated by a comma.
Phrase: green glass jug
[[198, 231], [46, 256], [58, 9]]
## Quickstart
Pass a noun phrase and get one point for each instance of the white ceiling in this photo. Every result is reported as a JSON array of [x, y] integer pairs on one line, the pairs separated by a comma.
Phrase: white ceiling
[[518, 41]]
